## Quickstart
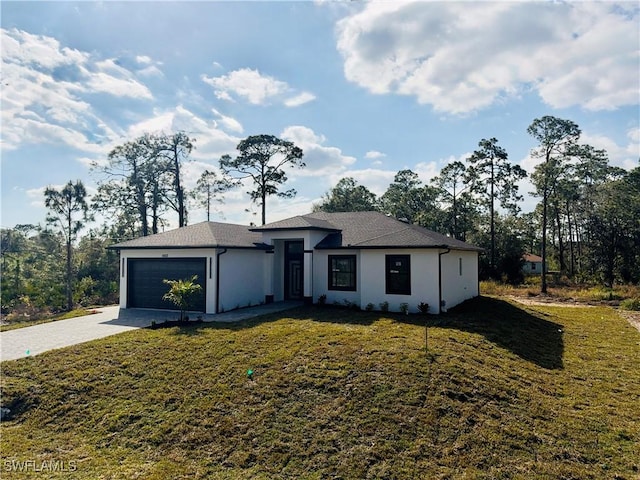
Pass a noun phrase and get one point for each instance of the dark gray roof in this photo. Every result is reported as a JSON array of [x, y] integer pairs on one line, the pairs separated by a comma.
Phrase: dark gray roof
[[305, 222], [344, 230], [200, 235], [369, 230]]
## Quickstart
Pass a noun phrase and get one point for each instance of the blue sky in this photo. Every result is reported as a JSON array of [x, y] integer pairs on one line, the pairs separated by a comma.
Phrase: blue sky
[[364, 88]]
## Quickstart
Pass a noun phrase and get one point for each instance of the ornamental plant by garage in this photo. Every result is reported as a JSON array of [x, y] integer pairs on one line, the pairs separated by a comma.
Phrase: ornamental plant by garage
[[181, 292]]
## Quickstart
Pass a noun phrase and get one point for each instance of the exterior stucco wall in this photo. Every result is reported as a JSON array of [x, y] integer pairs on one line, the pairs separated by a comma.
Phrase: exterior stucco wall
[[241, 279], [277, 238], [278, 270], [424, 279], [311, 237], [459, 277], [321, 278], [246, 276], [208, 253]]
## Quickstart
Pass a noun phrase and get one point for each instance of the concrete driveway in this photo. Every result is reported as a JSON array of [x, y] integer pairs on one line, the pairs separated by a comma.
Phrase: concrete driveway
[[29, 341]]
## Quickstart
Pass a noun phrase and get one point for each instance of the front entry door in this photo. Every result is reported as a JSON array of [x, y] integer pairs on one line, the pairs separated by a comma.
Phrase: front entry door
[[293, 269]]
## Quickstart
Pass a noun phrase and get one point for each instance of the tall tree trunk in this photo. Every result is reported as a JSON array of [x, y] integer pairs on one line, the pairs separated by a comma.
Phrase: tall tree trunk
[[579, 231], [264, 206], [208, 202], [155, 200], [611, 257], [16, 283], [543, 284], [571, 249], [493, 228], [455, 216], [177, 181], [264, 193], [563, 266], [68, 273], [179, 189], [141, 201]]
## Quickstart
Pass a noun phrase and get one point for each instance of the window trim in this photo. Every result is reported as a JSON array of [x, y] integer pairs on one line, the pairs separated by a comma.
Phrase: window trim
[[349, 288], [387, 274]]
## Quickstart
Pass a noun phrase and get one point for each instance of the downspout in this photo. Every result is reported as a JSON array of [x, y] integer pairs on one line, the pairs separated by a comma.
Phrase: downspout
[[440, 278], [218, 255]]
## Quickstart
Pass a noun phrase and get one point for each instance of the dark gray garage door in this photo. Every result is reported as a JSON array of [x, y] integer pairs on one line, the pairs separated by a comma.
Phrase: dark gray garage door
[[145, 286]]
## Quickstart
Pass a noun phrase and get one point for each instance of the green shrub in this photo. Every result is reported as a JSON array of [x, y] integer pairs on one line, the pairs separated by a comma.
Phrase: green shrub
[[631, 304]]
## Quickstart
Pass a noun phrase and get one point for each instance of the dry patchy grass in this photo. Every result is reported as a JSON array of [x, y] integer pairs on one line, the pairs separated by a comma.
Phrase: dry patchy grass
[[563, 293]]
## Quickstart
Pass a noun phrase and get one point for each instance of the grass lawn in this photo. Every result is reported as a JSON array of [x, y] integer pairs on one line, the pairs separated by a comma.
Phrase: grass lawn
[[506, 392]]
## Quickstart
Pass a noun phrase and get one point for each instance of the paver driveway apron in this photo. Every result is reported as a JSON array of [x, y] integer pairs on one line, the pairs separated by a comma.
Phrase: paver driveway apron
[[28, 341], [36, 339]]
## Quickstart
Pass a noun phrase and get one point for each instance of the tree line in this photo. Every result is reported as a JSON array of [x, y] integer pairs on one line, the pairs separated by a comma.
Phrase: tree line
[[586, 224]]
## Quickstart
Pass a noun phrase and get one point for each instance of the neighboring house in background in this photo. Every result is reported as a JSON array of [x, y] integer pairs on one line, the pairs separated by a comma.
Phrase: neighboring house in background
[[532, 264], [357, 257]]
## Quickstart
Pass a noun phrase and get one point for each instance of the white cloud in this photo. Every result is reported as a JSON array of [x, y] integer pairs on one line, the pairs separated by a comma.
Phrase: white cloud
[[151, 71], [115, 80], [320, 159], [43, 51], [119, 87], [463, 56], [374, 155], [211, 141], [301, 99], [624, 156], [228, 123], [427, 170], [256, 88], [249, 84], [36, 195], [44, 89]]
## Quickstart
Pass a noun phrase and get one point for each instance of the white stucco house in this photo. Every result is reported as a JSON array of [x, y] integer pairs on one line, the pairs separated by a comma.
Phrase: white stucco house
[[360, 257]]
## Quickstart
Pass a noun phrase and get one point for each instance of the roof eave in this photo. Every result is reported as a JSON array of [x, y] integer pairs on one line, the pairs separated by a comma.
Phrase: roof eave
[[257, 246], [391, 247], [275, 229]]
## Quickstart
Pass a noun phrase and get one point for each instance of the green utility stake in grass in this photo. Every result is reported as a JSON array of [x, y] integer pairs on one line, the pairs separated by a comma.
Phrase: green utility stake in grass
[[250, 374]]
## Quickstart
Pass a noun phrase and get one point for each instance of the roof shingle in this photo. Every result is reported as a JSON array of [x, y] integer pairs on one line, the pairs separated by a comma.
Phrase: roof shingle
[[204, 234], [344, 230], [377, 230]]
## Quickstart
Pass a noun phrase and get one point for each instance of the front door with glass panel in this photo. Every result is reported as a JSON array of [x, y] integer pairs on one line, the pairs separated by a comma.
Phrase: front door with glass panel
[[293, 269]]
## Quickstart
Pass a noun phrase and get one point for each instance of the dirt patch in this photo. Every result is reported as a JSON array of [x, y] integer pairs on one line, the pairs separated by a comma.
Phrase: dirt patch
[[549, 302], [632, 317]]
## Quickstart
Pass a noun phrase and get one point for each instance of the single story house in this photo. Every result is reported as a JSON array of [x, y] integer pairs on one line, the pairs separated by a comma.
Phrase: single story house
[[532, 264], [361, 258]]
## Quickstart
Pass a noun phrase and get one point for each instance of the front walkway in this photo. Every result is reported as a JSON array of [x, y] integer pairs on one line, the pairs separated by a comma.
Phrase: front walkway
[[29, 341]]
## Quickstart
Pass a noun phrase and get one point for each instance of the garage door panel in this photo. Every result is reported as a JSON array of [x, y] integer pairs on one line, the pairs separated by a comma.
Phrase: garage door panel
[[146, 277]]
